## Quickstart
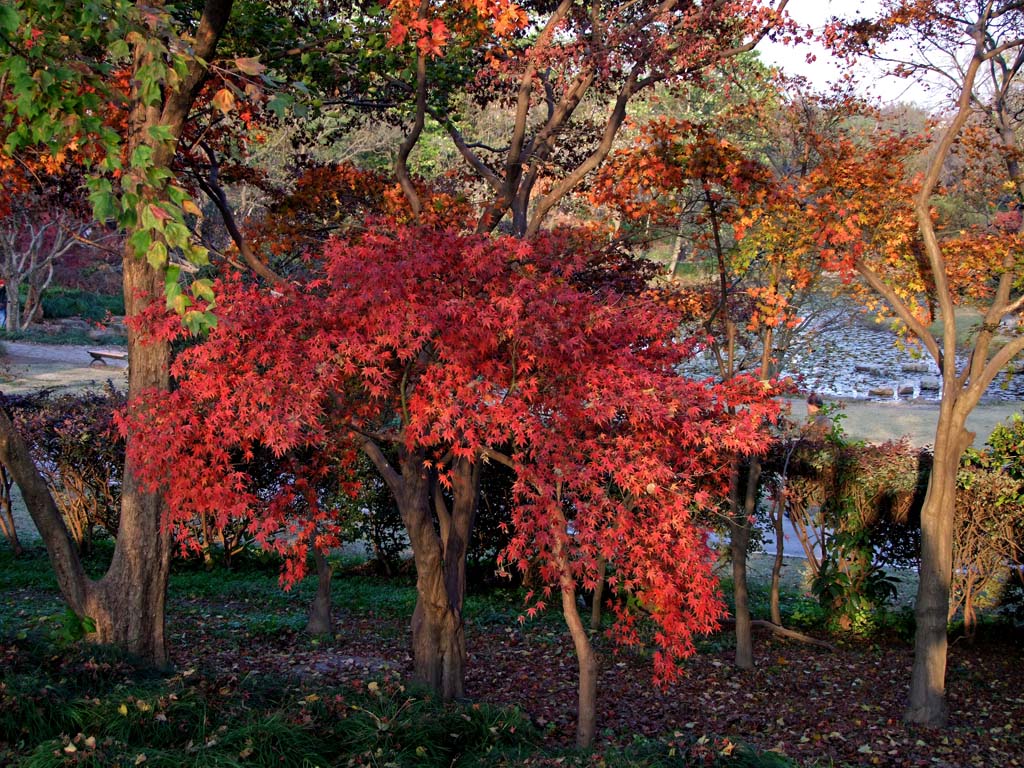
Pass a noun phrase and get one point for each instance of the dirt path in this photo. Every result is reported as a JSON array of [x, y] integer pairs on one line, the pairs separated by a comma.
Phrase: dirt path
[[28, 367]]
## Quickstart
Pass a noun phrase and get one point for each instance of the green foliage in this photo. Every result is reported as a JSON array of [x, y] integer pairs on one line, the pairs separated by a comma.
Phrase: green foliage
[[72, 302], [70, 627]]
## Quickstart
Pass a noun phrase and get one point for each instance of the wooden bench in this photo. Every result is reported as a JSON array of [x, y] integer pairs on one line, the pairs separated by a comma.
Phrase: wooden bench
[[101, 356]]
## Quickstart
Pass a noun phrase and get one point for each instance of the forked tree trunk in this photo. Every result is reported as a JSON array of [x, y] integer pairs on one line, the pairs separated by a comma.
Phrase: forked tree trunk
[[927, 705], [439, 553]]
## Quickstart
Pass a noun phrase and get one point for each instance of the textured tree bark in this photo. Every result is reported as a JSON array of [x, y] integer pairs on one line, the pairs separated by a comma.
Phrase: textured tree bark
[[927, 704], [320, 621], [439, 553]]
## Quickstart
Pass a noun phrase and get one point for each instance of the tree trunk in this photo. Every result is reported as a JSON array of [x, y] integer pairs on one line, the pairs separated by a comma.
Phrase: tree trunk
[[128, 603], [596, 607], [927, 705], [438, 636], [13, 304], [780, 533], [320, 621], [739, 539], [586, 722], [10, 531]]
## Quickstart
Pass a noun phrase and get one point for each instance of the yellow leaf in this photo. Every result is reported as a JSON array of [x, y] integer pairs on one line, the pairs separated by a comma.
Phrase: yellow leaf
[[224, 100], [123, 709], [249, 65]]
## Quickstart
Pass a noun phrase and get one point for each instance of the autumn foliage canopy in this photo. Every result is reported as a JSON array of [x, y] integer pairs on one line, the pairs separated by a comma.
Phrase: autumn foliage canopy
[[473, 347]]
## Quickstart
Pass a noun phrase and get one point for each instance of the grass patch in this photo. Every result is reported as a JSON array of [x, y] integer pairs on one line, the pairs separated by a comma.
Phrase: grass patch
[[68, 337]]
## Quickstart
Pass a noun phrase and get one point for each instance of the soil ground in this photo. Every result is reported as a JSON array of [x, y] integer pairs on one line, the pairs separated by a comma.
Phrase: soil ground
[[29, 367]]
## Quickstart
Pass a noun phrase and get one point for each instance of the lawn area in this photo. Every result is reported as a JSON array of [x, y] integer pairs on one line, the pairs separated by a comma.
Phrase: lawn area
[[248, 687]]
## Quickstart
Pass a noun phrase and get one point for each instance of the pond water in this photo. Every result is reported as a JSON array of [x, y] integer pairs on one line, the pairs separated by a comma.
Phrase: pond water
[[844, 355], [849, 357]]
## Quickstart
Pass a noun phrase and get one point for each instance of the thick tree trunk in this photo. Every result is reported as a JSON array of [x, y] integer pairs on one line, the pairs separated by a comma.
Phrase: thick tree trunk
[[927, 705], [320, 621], [128, 603], [439, 552]]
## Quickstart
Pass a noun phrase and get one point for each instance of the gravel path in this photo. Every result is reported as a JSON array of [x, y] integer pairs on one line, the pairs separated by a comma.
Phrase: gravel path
[[28, 367]]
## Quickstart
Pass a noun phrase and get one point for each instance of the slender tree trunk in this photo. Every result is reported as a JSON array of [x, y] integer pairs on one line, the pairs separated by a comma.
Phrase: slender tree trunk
[[320, 621], [586, 723], [586, 716], [596, 607], [927, 705], [10, 531], [13, 304], [780, 510], [739, 539]]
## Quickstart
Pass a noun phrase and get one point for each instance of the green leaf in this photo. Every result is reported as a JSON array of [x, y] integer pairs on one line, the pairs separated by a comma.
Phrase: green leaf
[[157, 254], [280, 104], [161, 133], [140, 241], [172, 275], [8, 20], [119, 49], [203, 289], [177, 235], [142, 157], [104, 204]]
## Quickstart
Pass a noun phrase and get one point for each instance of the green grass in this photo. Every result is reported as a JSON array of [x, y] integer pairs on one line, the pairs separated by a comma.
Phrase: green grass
[[69, 337]]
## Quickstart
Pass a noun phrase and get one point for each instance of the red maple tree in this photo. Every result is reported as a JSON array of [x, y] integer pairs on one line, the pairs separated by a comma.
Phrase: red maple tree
[[431, 352]]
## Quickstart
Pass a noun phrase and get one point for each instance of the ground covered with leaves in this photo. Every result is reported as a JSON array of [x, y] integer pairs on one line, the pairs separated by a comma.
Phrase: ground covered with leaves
[[250, 688]]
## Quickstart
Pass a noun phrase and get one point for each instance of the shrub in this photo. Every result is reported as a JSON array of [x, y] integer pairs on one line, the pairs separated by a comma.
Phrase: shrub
[[79, 453], [72, 302]]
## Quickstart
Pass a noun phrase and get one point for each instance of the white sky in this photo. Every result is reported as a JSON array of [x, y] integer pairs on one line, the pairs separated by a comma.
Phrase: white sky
[[826, 69]]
